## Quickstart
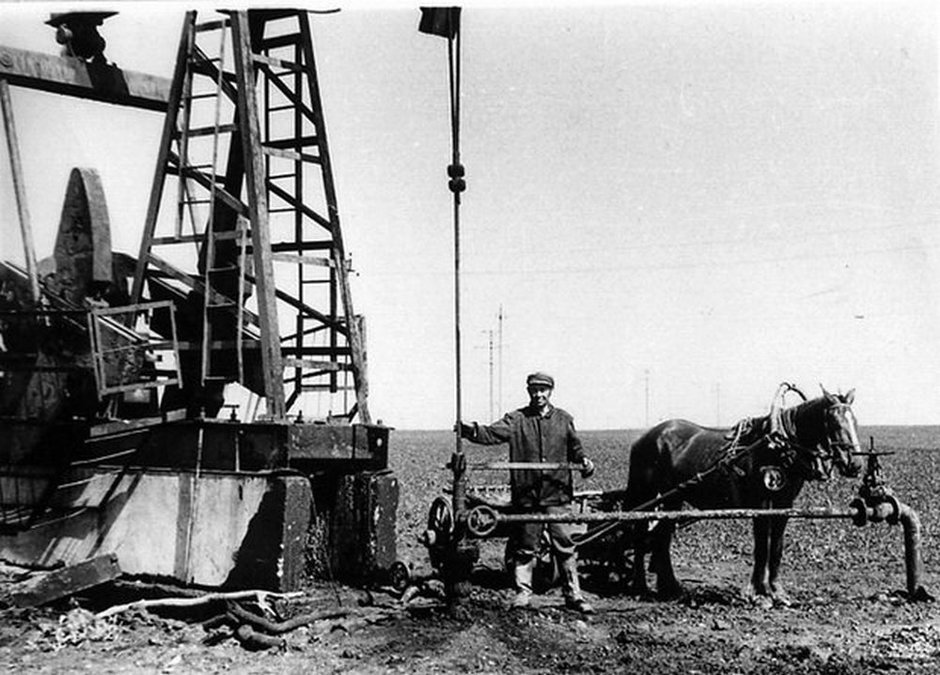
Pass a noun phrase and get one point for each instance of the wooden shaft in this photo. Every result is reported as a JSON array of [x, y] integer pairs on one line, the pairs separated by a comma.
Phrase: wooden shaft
[[19, 187]]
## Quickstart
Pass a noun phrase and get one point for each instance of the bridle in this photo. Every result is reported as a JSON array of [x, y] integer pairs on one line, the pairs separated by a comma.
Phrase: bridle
[[843, 450]]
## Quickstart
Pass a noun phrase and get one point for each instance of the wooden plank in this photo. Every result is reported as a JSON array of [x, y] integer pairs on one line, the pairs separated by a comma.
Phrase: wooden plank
[[196, 238], [294, 203], [105, 429], [301, 259], [271, 364], [71, 76], [205, 181], [306, 309], [301, 141], [332, 366], [276, 62], [210, 131], [163, 153], [281, 153], [68, 581], [295, 99]]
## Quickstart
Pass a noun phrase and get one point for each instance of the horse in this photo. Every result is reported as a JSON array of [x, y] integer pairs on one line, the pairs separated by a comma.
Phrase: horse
[[762, 462]]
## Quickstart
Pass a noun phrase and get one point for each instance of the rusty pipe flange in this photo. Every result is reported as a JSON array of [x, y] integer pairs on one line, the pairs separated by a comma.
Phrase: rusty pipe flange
[[861, 511], [482, 520]]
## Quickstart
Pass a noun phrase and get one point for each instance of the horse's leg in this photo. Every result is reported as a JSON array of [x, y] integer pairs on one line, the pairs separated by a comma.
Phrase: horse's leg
[[639, 491], [639, 587], [758, 586], [667, 586], [777, 528]]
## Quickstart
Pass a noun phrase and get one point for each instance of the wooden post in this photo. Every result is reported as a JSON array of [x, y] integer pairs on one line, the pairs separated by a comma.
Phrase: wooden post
[[19, 187], [166, 140], [354, 336], [252, 151]]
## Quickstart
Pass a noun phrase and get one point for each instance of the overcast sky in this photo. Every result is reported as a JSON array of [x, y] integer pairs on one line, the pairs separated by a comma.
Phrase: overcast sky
[[677, 205]]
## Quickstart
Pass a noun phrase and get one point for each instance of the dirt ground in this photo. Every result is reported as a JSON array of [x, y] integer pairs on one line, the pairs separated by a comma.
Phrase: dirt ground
[[832, 627], [849, 614]]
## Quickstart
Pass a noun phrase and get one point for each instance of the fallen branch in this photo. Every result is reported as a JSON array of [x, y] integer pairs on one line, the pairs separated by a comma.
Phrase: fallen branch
[[277, 628], [255, 641], [259, 596]]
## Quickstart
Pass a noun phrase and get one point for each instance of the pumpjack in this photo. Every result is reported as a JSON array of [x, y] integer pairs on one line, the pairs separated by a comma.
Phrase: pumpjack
[[157, 408]]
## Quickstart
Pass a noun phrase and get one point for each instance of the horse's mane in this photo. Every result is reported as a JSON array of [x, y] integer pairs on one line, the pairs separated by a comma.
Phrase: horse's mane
[[804, 414], [749, 429]]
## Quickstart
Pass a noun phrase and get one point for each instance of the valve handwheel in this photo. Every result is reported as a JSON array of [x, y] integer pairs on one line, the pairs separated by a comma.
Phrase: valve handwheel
[[440, 521], [482, 520]]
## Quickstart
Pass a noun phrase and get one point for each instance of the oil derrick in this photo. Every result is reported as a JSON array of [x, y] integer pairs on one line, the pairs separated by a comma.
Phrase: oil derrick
[[243, 266], [245, 144]]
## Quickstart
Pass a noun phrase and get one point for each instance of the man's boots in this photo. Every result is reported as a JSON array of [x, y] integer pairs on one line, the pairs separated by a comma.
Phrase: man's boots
[[571, 586], [523, 578]]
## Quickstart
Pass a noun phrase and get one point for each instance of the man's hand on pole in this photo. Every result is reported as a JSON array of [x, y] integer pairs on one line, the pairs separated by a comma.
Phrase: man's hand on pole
[[587, 468], [465, 430]]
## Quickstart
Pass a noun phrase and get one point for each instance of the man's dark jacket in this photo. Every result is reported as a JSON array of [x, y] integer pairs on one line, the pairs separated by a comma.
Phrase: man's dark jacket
[[535, 438]]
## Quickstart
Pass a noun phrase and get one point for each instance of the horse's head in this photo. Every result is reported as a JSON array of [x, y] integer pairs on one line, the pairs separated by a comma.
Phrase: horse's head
[[820, 435], [841, 437]]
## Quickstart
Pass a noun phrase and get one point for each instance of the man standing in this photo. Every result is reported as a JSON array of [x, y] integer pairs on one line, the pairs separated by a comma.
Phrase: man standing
[[539, 433]]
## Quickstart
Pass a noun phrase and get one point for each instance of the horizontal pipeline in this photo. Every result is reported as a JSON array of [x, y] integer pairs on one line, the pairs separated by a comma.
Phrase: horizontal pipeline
[[482, 521], [693, 514], [525, 466]]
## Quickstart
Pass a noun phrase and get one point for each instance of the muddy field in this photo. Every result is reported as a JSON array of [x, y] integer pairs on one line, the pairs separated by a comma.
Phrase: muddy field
[[849, 613]]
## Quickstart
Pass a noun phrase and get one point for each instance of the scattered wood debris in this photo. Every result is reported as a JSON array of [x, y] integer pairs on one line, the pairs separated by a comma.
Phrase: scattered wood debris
[[65, 581]]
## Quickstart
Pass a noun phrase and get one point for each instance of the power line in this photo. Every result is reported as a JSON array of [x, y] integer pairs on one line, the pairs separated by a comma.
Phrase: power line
[[722, 263], [710, 263]]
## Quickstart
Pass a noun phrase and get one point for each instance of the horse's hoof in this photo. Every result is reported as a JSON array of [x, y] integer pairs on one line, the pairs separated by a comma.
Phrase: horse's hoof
[[755, 597], [781, 599], [761, 601], [670, 592], [639, 592]]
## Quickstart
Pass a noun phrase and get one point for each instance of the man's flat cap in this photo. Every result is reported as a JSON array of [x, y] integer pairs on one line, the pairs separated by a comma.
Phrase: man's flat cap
[[543, 379]]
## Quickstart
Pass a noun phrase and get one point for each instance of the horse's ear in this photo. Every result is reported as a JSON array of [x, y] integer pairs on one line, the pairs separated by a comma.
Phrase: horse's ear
[[849, 397], [829, 397]]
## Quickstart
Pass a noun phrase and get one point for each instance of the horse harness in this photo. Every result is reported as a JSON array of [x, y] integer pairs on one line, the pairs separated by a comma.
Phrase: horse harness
[[774, 474], [780, 438]]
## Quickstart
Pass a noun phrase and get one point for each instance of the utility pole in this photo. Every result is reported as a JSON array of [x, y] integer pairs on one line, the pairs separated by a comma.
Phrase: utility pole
[[718, 404], [490, 333], [489, 347], [499, 396]]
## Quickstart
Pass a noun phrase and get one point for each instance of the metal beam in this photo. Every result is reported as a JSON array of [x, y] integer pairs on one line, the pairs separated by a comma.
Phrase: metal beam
[[71, 76]]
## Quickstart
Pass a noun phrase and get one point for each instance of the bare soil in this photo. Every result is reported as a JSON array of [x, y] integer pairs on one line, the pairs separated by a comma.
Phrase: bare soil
[[849, 611]]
